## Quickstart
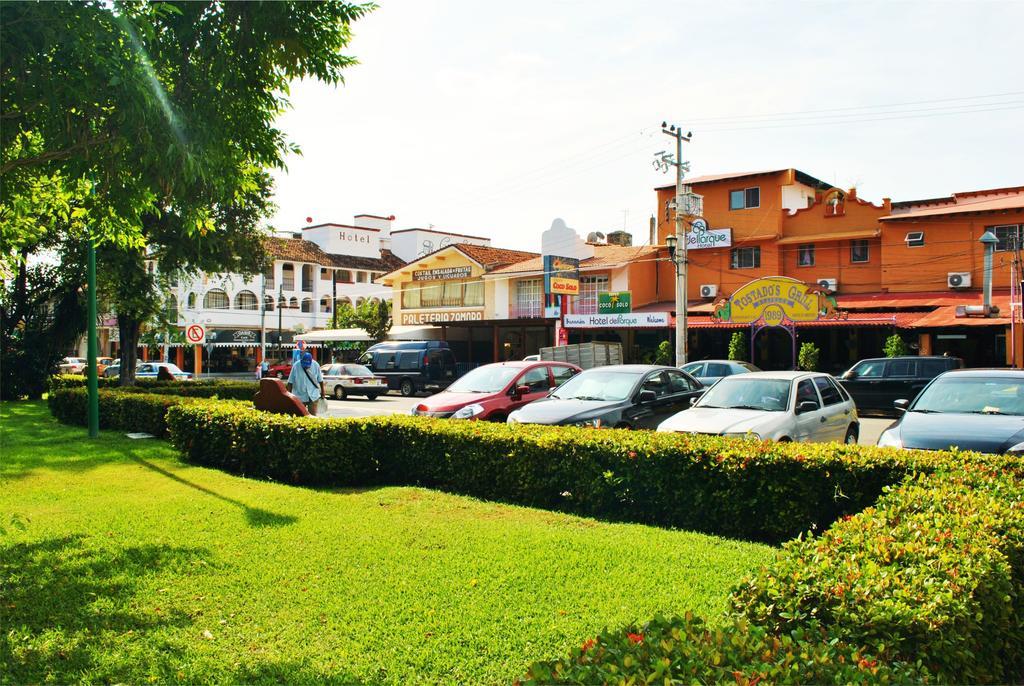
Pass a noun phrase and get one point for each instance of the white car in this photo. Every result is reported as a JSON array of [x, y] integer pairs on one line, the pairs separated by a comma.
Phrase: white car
[[781, 406], [345, 379], [72, 365]]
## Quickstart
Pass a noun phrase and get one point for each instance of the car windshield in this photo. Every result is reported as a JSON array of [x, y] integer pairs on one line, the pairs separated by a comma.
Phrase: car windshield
[[973, 395], [742, 392], [595, 384], [489, 379], [355, 370]]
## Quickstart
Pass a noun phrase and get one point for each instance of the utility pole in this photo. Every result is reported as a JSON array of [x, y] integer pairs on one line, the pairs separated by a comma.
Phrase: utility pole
[[679, 254]]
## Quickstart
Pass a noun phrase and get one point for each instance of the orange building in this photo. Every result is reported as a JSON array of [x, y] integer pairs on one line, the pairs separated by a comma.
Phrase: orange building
[[903, 266]]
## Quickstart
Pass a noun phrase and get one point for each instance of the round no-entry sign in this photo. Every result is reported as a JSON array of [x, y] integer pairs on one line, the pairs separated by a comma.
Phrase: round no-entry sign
[[195, 333]]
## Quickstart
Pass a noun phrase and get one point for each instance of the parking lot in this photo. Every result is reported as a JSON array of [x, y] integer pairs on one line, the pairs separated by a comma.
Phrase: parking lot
[[870, 427]]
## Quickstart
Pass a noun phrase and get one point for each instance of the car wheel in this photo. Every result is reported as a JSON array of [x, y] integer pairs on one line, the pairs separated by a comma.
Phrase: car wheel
[[279, 375], [339, 393], [852, 435], [408, 388], [498, 417], [785, 439], [623, 425]]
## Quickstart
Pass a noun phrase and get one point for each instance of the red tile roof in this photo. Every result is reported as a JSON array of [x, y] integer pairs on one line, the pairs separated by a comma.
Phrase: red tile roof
[[307, 251], [802, 177], [604, 256], [492, 258], [1006, 202]]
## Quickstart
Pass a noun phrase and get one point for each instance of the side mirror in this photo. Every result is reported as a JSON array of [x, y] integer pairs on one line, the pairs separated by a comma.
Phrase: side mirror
[[850, 375], [901, 404], [519, 391], [647, 397], [806, 406]]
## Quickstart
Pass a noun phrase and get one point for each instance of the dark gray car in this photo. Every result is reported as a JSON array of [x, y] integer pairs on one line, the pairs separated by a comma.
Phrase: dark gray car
[[710, 371], [876, 383], [635, 396]]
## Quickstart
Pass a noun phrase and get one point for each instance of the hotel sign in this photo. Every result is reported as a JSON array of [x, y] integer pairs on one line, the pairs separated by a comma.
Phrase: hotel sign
[[441, 317], [702, 236], [561, 275], [443, 274], [634, 320]]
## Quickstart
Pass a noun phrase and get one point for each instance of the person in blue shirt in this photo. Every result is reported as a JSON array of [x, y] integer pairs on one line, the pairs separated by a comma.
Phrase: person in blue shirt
[[306, 381]]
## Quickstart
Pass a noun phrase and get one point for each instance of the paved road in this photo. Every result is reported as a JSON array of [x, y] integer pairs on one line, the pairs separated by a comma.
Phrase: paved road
[[870, 427]]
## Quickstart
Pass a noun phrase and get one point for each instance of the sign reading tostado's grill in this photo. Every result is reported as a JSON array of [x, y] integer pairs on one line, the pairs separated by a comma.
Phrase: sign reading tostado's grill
[[441, 317], [442, 274]]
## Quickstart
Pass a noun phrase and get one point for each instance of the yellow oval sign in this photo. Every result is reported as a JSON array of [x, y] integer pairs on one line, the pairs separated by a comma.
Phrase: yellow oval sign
[[774, 297]]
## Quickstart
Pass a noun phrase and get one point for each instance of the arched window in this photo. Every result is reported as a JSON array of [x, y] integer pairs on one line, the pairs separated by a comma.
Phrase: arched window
[[216, 299], [325, 303], [307, 304], [359, 301], [246, 300], [293, 303], [191, 301], [172, 307], [307, 278], [288, 276], [268, 303]]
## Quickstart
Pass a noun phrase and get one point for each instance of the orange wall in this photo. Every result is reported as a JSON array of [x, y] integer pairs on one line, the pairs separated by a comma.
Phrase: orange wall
[[643, 282], [950, 245]]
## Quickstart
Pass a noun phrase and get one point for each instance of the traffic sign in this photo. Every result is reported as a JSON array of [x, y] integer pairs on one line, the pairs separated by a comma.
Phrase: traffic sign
[[195, 333]]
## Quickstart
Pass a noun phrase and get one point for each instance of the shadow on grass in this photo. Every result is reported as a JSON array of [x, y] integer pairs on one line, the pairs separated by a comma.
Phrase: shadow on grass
[[287, 673], [255, 516], [63, 601]]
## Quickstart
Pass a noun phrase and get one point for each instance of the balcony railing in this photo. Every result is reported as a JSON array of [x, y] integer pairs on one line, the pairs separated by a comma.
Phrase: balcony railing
[[534, 310]]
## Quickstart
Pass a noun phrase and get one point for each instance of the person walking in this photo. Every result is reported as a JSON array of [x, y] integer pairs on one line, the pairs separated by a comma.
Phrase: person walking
[[306, 381]]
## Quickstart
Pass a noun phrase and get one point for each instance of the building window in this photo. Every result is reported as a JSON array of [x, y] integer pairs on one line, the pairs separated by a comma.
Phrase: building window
[[307, 278], [325, 304], [440, 294], [268, 278], [529, 301], [1008, 236], [805, 257], [268, 303], [191, 301], [293, 303], [360, 277], [307, 304], [172, 308], [746, 258], [323, 273], [590, 286], [859, 251], [745, 198], [216, 299], [288, 276], [915, 239], [342, 276], [246, 300]]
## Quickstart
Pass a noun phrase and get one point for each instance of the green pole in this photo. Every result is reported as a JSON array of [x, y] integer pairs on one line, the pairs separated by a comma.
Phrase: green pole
[[94, 393]]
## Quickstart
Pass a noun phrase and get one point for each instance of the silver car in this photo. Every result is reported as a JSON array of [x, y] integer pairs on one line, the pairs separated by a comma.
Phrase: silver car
[[345, 379], [781, 406]]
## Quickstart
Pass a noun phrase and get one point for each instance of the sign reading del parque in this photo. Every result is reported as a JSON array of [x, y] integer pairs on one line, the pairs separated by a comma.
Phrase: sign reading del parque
[[442, 274], [701, 236], [442, 317], [637, 320]]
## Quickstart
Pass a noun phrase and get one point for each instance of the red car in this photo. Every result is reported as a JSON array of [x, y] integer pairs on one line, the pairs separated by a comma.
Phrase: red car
[[279, 370], [492, 391]]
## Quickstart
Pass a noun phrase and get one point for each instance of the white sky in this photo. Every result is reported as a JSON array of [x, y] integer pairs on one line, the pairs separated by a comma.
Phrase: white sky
[[494, 118]]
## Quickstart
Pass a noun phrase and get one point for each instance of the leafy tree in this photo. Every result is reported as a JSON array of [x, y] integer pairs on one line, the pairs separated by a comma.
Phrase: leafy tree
[[895, 346], [738, 346], [808, 357], [374, 317], [665, 353]]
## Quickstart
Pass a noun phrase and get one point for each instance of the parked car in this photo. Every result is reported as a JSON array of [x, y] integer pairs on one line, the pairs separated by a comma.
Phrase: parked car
[[493, 391], [150, 370], [412, 366], [710, 371], [112, 371], [72, 365], [343, 380], [620, 396], [874, 384], [782, 406], [279, 370], [971, 409]]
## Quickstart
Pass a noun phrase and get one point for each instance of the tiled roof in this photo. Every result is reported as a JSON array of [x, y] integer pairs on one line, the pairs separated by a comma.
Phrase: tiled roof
[[802, 177], [307, 251], [604, 256], [1006, 202], [493, 258]]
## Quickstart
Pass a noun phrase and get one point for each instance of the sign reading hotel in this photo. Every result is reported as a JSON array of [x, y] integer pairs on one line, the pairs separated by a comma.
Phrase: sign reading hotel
[[561, 275], [443, 274], [634, 320], [701, 236], [774, 300], [615, 302], [441, 317]]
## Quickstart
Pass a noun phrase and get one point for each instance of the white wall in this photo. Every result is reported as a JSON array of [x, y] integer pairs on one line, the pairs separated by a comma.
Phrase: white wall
[[501, 299], [410, 244], [795, 196], [345, 240]]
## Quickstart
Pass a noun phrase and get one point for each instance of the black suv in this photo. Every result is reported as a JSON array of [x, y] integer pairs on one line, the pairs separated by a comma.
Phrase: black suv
[[412, 366], [874, 384]]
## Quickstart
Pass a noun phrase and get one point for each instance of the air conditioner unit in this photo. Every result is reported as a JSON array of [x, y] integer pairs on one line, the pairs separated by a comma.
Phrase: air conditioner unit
[[830, 285], [958, 279], [708, 290]]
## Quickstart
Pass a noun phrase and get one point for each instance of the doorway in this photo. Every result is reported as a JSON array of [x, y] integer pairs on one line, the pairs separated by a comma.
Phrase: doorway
[[773, 349]]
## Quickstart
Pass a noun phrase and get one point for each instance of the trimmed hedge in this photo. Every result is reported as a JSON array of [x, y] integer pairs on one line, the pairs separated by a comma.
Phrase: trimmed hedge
[[226, 389], [934, 572], [136, 411], [685, 650], [730, 487]]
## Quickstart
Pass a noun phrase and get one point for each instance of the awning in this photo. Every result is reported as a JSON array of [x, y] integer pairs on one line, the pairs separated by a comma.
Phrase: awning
[[872, 301], [945, 317], [902, 320], [826, 237], [397, 333]]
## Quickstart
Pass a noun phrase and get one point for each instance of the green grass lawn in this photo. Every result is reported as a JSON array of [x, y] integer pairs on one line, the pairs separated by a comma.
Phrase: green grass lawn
[[127, 565]]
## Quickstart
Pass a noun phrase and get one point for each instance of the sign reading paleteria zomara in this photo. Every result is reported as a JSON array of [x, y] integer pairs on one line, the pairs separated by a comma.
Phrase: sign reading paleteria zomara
[[441, 317], [561, 275], [442, 274], [775, 300], [701, 236]]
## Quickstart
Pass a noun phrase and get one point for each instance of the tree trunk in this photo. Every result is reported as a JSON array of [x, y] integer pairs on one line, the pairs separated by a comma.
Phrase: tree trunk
[[128, 327]]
